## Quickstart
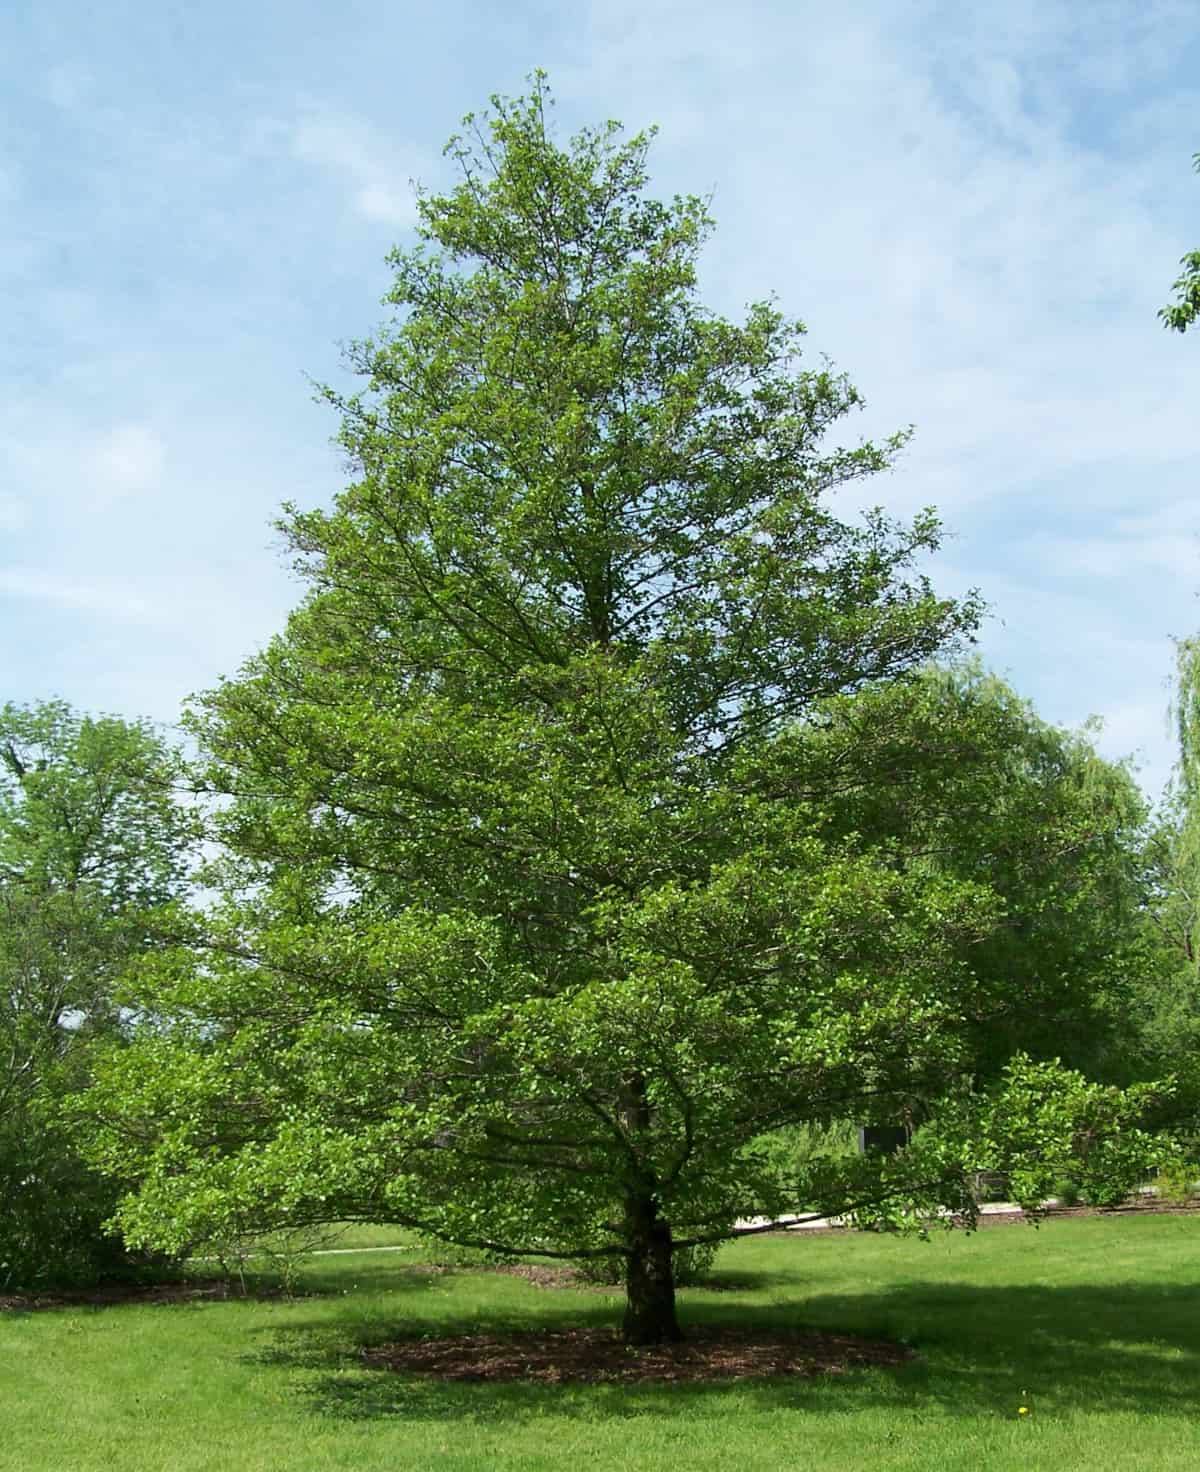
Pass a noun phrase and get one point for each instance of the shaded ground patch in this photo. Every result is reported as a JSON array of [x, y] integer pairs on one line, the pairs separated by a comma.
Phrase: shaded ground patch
[[558, 1276], [542, 1276], [595, 1355], [110, 1295]]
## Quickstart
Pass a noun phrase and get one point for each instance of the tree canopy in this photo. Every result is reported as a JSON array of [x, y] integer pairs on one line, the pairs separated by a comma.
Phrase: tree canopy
[[1170, 1035], [575, 832], [91, 841]]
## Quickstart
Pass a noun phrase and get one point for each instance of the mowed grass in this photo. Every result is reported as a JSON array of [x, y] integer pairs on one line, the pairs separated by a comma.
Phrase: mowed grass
[[1092, 1324]]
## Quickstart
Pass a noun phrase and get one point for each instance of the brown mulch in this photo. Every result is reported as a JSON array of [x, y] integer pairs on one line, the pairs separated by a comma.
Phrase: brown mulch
[[542, 1276], [554, 1357], [1149, 1207]]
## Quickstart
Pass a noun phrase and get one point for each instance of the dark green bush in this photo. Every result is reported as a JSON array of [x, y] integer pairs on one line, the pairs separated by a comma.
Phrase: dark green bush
[[53, 1212]]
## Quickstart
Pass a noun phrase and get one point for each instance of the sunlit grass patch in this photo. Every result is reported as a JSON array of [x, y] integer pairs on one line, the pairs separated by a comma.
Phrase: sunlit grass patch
[[1092, 1325]]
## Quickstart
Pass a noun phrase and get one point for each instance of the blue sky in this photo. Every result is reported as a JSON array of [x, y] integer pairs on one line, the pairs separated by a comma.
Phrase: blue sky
[[976, 209]]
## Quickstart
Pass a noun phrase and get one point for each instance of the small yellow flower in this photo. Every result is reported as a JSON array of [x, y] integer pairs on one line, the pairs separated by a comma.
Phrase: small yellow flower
[[1022, 1410]]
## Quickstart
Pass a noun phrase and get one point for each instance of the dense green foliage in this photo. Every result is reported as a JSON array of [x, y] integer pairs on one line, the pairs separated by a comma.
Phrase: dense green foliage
[[90, 841], [1167, 1031], [558, 868], [952, 773]]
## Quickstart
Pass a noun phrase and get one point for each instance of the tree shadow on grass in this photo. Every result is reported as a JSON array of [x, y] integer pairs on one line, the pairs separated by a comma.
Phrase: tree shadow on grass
[[1112, 1348], [101, 1298], [1119, 1347], [198, 1290]]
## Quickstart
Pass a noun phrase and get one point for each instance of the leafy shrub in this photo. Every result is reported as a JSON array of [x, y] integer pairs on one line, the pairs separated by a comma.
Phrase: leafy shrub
[[53, 1212], [1179, 1182], [790, 1149], [451, 1255], [1066, 1192]]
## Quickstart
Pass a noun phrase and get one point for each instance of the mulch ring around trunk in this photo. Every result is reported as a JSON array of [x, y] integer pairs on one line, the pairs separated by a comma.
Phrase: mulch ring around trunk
[[554, 1357]]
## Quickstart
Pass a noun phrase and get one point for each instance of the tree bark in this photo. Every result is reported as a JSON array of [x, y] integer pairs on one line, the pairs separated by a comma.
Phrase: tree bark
[[649, 1276]]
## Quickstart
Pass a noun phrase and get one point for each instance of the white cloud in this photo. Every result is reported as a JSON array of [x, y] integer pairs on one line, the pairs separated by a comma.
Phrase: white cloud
[[1086, 650], [109, 598], [126, 461], [64, 86], [47, 464], [1163, 544], [14, 513], [10, 186], [379, 185], [927, 205], [1141, 730]]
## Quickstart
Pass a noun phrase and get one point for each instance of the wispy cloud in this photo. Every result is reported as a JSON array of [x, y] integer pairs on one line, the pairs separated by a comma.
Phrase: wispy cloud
[[65, 86], [48, 464], [977, 208], [377, 182], [107, 597], [127, 460]]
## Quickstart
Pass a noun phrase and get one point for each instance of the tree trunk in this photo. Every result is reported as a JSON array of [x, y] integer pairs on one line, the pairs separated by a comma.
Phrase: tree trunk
[[649, 1276]]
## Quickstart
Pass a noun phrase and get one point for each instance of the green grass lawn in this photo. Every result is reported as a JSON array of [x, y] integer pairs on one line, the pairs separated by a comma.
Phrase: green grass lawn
[[1093, 1324]]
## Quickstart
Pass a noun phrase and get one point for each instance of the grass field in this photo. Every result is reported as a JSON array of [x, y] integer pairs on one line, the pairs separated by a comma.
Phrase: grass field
[[1093, 1324]]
